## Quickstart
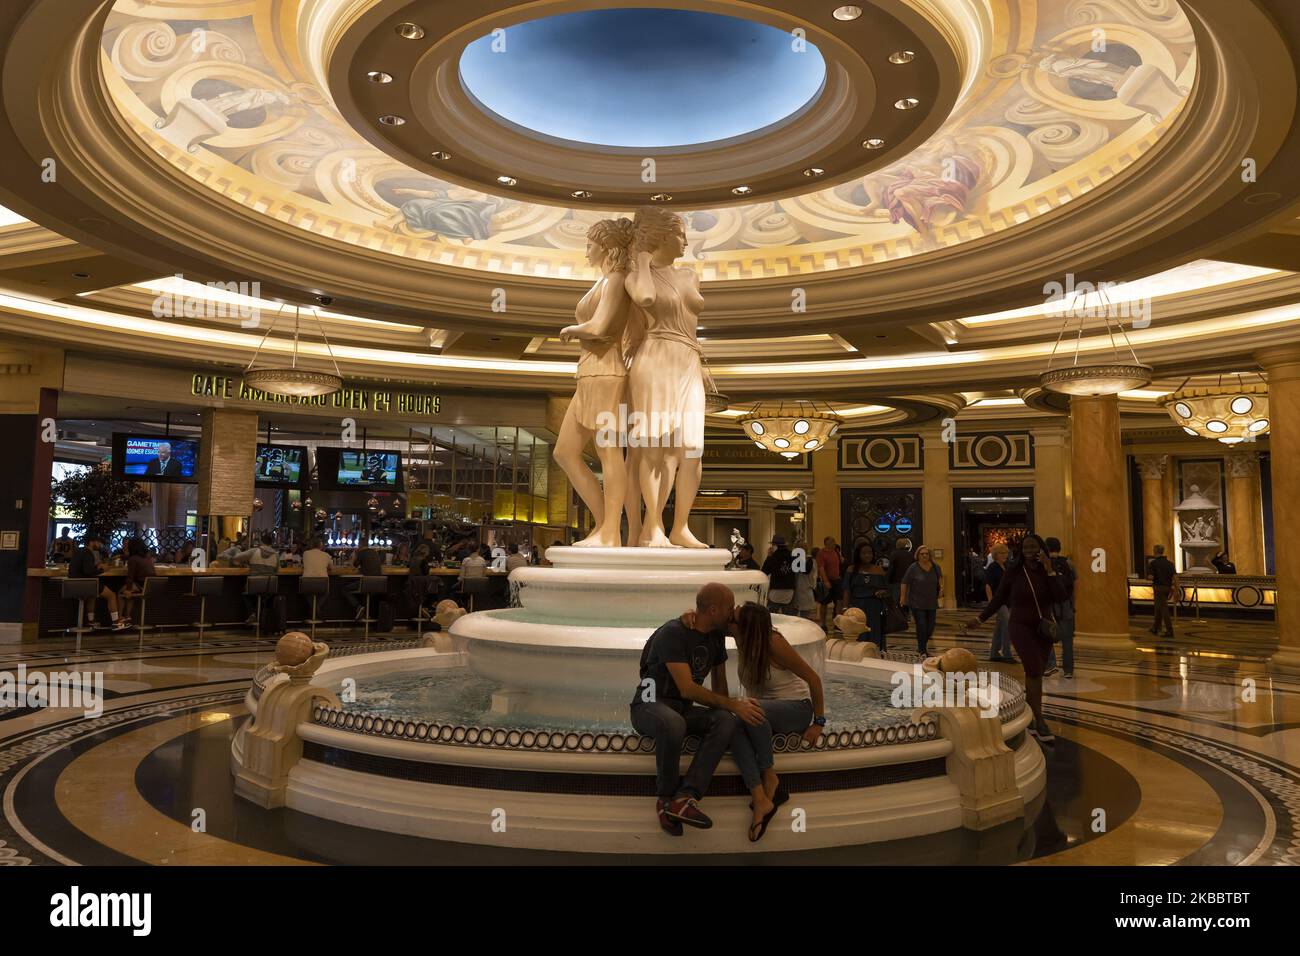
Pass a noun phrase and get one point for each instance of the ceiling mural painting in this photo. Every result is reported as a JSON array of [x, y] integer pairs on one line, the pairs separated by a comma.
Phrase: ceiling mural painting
[[1071, 94]]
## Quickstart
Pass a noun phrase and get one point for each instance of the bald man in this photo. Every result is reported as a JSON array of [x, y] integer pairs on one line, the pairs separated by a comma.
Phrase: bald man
[[671, 703]]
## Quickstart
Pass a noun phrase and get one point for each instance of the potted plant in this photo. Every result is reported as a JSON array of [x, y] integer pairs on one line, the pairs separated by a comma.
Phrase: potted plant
[[97, 501]]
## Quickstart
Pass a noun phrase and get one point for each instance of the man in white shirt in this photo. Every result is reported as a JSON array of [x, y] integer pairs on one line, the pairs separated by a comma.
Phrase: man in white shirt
[[473, 566], [316, 561], [514, 559]]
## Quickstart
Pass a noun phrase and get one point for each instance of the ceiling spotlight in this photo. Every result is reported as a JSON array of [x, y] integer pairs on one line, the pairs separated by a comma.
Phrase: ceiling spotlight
[[873, 143], [847, 12], [392, 119], [379, 76], [907, 103], [410, 31], [441, 155], [582, 194], [812, 172], [901, 57], [507, 181], [661, 197], [741, 190]]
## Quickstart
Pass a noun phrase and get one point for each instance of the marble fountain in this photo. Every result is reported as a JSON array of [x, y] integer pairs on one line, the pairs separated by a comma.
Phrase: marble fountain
[[512, 728]]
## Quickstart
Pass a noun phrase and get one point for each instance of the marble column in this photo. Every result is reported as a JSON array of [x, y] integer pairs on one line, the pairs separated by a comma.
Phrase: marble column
[[1157, 506], [1245, 512], [825, 498], [1282, 367], [1097, 483], [936, 512], [561, 509], [227, 462], [1052, 486]]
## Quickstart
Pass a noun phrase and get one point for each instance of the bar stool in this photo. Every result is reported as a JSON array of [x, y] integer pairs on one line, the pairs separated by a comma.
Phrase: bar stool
[[417, 588], [315, 586], [154, 585], [370, 585], [80, 590], [203, 587], [473, 588], [261, 585]]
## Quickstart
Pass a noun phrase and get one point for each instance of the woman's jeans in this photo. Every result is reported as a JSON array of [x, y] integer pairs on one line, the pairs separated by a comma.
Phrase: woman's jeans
[[925, 619], [751, 748], [1001, 646]]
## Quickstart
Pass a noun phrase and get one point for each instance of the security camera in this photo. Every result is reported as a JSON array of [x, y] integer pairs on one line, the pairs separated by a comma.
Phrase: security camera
[[325, 300]]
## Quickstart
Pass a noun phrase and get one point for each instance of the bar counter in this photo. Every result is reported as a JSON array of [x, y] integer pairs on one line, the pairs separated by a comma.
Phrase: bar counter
[[176, 608]]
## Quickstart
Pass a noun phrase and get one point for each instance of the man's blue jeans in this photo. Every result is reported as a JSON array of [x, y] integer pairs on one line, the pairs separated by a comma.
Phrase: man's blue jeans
[[669, 728], [1064, 614], [751, 748]]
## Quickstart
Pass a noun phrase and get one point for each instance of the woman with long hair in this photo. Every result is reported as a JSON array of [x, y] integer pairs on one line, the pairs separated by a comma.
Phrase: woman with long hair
[[1029, 588], [867, 589], [790, 693]]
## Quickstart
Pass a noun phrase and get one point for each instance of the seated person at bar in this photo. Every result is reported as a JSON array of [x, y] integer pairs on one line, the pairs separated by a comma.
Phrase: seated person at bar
[[263, 559], [63, 546], [369, 564], [514, 559], [316, 561], [671, 702], [85, 563], [139, 565]]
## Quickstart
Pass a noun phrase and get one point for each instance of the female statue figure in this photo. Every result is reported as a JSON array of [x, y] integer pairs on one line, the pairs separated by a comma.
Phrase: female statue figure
[[602, 384], [666, 380]]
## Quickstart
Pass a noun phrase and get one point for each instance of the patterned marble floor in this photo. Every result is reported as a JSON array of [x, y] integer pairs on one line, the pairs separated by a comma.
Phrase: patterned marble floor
[[1184, 752]]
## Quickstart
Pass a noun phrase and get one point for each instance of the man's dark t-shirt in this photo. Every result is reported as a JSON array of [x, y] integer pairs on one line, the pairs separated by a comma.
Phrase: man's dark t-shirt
[[1162, 572], [675, 643], [899, 562], [369, 562], [993, 576], [748, 564], [84, 564]]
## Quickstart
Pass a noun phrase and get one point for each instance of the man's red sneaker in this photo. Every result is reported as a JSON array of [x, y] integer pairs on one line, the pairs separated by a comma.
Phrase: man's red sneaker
[[687, 811], [670, 826]]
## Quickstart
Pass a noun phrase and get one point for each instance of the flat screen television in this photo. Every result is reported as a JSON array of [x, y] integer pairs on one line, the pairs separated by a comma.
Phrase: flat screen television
[[281, 466], [354, 468], [155, 458]]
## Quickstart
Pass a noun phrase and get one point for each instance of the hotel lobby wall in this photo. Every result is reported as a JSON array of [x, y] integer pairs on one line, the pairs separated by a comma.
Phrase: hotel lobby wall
[[29, 382]]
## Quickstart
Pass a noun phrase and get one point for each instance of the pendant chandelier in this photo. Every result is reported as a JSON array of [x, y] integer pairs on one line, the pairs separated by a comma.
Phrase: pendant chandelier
[[791, 429], [292, 380], [1094, 378], [714, 400], [1230, 411]]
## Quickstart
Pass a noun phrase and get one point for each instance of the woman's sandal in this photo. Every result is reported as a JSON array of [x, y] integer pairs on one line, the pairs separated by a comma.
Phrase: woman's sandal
[[761, 825]]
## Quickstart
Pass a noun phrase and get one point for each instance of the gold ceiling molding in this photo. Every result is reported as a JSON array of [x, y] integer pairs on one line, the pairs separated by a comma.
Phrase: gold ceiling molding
[[1181, 193]]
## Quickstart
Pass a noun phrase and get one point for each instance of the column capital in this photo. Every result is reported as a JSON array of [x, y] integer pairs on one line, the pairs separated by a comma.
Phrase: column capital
[[1153, 467], [1281, 361], [1242, 464]]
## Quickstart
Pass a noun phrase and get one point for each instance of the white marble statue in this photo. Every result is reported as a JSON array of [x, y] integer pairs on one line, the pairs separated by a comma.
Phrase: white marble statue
[[602, 384], [666, 380]]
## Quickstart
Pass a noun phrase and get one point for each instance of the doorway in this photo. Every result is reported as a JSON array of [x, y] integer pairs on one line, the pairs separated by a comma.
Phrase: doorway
[[982, 518]]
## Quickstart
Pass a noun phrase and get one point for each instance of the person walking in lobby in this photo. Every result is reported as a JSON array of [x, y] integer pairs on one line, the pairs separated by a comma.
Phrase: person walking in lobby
[[900, 559], [868, 590], [921, 590], [671, 702], [1164, 578], [1063, 613], [828, 572], [1029, 587], [781, 583], [1000, 646]]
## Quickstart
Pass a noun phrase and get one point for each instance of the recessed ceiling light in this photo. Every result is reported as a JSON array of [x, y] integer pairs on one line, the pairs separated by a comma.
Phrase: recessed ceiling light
[[812, 172], [907, 103], [847, 12], [507, 180], [901, 57], [873, 143], [379, 76], [410, 31], [582, 194], [661, 197], [81, 275], [392, 119], [442, 155], [741, 190]]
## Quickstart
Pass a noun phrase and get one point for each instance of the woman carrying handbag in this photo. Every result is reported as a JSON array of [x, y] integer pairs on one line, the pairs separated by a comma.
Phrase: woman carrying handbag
[[1030, 584]]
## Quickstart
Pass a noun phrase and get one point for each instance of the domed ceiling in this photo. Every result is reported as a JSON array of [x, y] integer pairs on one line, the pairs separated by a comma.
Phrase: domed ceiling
[[1056, 98]]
